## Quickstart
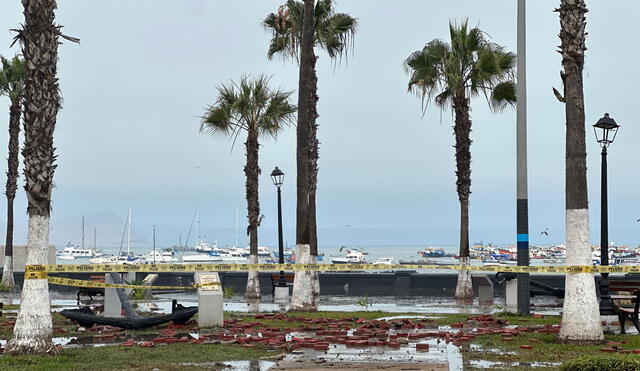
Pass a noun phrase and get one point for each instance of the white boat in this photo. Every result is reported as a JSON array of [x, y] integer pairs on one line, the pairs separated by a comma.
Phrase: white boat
[[123, 259], [160, 257], [263, 251], [202, 258], [498, 263], [102, 260], [72, 251], [385, 260], [353, 257], [204, 247], [233, 256]]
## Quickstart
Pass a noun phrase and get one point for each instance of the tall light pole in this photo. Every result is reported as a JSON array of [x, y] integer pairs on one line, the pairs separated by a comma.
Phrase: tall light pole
[[278, 178], [522, 202], [605, 129]]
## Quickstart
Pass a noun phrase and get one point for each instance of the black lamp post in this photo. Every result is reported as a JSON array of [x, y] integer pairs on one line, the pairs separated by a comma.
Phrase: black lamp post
[[605, 130], [278, 178]]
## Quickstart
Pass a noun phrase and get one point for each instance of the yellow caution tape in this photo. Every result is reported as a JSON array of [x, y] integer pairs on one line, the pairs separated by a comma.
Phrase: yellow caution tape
[[36, 275], [40, 270], [94, 284]]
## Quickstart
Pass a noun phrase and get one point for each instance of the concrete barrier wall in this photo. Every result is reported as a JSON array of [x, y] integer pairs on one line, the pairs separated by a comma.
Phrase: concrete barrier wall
[[20, 256], [400, 284]]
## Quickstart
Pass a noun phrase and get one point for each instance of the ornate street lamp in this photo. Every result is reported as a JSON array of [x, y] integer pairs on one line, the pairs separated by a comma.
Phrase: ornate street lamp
[[278, 178], [606, 130]]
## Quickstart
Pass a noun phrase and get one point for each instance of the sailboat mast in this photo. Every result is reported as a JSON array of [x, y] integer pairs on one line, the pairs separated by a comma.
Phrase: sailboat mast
[[197, 227], [94, 238], [83, 233], [236, 245], [129, 234]]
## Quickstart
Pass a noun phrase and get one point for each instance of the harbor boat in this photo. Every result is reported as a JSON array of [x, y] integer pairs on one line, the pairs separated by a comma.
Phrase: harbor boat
[[65, 257], [432, 252], [263, 251], [204, 247], [210, 257], [233, 257], [72, 251], [385, 261], [498, 263], [122, 259], [353, 256], [160, 257]]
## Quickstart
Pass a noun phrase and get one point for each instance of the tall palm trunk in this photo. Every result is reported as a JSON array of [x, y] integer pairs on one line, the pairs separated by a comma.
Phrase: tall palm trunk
[[12, 179], [462, 131], [252, 172], [302, 297], [580, 316], [32, 331], [314, 143]]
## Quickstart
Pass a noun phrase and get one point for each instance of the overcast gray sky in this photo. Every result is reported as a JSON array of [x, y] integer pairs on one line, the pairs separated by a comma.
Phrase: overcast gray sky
[[145, 70]]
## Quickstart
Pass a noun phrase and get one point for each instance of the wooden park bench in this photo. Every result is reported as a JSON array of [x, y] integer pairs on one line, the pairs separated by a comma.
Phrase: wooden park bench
[[91, 291], [626, 305], [275, 278]]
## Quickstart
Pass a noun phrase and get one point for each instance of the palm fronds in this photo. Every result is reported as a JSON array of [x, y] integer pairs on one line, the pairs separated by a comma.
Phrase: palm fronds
[[467, 66], [334, 32], [249, 104]]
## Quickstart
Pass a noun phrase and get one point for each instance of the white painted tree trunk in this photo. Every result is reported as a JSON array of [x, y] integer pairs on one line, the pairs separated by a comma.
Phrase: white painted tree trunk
[[7, 272], [253, 281], [315, 283], [304, 295], [32, 332], [464, 288], [581, 313]]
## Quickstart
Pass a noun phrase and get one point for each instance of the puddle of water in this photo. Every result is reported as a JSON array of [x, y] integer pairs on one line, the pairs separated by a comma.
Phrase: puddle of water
[[437, 354], [63, 340], [481, 363], [454, 357], [238, 365], [477, 347]]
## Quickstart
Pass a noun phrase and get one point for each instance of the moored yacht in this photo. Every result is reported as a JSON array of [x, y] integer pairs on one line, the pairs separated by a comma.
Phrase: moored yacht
[[353, 257]]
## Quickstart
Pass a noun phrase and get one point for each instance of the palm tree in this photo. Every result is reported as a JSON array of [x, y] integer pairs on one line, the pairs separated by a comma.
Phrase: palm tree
[[39, 39], [581, 315], [251, 107], [334, 33], [11, 84], [450, 75]]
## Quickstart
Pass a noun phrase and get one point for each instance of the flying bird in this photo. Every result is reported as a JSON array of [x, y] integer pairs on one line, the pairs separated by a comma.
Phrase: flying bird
[[545, 232]]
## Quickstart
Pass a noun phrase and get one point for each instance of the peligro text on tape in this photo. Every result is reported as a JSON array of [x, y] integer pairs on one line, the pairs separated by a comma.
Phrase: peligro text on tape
[[94, 284], [152, 268]]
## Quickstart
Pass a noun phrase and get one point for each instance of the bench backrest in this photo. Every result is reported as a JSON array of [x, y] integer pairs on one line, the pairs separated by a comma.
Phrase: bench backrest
[[628, 286], [287, 277]]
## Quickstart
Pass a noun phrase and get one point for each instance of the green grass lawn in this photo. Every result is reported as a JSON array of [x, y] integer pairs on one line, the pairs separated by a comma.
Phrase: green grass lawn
[[166, 357], [545, 350]]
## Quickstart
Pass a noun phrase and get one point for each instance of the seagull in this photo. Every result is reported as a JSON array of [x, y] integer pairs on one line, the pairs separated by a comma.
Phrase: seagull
[[545, 232]]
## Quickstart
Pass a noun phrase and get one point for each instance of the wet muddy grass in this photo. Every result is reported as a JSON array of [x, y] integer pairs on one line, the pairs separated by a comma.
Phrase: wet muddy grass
[[167, 357], [496, 352], [484, 341]]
